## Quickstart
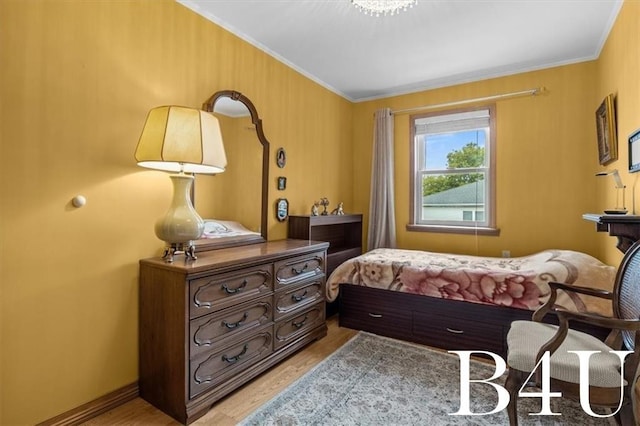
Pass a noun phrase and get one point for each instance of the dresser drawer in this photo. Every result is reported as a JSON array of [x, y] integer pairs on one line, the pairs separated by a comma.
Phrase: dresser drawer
[[290, 299], [289, 330], [299, 268], [207, 330], [457, 333], [216, 292], [212, 368]]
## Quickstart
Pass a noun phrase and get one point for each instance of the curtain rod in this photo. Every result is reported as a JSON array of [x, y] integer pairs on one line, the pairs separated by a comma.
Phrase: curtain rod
[[530, 92]]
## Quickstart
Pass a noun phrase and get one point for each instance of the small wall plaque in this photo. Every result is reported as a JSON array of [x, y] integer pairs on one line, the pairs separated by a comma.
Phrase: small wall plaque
[[282, 209], [281, 157], [282, 183]]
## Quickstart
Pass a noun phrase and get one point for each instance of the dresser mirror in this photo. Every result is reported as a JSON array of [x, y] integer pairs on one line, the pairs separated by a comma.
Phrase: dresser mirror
[[235, 201]]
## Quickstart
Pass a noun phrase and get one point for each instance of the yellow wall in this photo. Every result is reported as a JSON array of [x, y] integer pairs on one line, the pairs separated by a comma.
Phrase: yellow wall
[[77, 81], [618, 72], [546, 152], [78, 78]]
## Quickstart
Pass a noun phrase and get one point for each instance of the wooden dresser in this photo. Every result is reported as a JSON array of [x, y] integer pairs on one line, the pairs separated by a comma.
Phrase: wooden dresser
[[210, 325]]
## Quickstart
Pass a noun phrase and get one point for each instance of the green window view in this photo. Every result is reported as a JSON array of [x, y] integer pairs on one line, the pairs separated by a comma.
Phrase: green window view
[[452, 169]]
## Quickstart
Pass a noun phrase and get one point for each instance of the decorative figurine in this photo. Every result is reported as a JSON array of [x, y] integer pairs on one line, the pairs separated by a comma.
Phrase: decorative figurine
[[314, 208], [338, 210], [324, 203]]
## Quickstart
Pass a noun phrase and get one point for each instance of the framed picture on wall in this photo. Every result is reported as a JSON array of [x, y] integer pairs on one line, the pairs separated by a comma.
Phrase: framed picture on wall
[[634, 152], [606, 126], [281, 158], [282, 209], [282, 183]]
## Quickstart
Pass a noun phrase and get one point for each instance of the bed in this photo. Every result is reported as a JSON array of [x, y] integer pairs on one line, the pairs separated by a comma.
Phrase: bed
[[458, 301]]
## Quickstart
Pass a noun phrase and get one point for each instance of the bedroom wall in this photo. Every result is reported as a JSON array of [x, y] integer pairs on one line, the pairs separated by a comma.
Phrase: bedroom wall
[[78, 79], [546, 152], [618, 72]]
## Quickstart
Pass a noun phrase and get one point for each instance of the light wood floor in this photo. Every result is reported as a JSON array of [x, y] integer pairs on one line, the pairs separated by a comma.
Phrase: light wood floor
[[242, 402], [245, 400]]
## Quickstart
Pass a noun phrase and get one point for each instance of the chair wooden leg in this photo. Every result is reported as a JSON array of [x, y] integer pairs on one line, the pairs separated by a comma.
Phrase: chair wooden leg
[[626, 416], [515, 381]]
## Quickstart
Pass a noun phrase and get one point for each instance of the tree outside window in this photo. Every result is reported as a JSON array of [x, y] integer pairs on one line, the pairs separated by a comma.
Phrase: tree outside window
[[452, 169]]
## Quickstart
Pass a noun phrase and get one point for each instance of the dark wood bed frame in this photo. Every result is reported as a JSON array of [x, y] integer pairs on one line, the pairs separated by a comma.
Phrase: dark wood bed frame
[[441, 323]]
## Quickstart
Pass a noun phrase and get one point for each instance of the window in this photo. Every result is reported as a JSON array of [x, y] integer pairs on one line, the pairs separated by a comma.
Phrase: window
[[452, 174]]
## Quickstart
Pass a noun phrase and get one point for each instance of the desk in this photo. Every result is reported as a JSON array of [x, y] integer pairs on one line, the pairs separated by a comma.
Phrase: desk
[[623, 226]]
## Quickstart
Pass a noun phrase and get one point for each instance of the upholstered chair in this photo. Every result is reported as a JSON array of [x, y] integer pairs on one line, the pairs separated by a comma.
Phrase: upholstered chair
[[528, 340]]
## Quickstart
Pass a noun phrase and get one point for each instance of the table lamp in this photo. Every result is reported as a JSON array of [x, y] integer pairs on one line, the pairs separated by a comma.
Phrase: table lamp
[[619, 186], [181, 140]]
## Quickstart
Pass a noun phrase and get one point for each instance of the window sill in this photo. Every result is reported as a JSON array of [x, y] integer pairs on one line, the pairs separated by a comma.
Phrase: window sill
[[448, 229]]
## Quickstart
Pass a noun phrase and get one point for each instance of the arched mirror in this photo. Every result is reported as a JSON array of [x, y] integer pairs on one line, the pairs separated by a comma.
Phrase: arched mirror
[[236, 200]]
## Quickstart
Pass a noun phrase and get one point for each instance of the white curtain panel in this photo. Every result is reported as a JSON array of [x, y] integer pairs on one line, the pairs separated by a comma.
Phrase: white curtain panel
[[382, 218]]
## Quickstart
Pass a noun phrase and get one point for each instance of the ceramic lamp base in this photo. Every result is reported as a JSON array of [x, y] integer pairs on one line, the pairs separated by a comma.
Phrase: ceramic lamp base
[[181, 225]]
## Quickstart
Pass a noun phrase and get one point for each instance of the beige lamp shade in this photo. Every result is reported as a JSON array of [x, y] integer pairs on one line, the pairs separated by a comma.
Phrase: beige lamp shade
[[180, 139]]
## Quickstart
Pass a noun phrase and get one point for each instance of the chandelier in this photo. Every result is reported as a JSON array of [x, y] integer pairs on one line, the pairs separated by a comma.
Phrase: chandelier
[[383, 7]]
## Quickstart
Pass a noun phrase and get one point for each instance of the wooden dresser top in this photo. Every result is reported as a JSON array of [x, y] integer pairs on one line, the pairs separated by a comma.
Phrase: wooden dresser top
[[237, 256]]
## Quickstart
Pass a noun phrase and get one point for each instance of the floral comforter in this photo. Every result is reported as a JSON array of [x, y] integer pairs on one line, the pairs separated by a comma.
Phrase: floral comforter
[[519, 282]]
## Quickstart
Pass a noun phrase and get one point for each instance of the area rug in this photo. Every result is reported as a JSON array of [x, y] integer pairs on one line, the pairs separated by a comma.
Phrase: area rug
[[373, 380]]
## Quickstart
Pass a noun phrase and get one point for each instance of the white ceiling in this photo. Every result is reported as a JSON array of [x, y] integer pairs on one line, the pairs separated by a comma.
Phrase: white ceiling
[[435, 44]]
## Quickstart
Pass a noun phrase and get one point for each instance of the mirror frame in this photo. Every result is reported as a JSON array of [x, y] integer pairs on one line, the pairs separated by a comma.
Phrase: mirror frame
[[203, 244]]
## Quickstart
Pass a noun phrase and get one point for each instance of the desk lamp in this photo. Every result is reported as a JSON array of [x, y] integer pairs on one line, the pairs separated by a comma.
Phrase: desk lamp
[[619, 186], [183, 141]]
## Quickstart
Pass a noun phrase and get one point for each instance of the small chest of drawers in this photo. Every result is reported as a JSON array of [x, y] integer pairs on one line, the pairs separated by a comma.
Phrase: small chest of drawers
[[210, 325]]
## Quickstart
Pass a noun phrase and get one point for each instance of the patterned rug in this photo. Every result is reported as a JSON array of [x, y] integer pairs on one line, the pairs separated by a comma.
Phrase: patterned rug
[[373, 380]]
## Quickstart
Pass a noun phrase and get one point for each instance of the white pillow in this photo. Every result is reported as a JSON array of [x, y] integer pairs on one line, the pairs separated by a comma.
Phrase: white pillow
[[214, 228]]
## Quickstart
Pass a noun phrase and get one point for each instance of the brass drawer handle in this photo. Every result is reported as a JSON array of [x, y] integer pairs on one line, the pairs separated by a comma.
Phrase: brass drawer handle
[[375, 315], [301, 323], [299, 298], [454, 331], [299, 271], [231, 325], [235, 358], [228, 290]]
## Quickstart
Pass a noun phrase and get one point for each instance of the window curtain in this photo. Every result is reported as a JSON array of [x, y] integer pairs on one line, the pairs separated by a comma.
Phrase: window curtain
[[382, 218]]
